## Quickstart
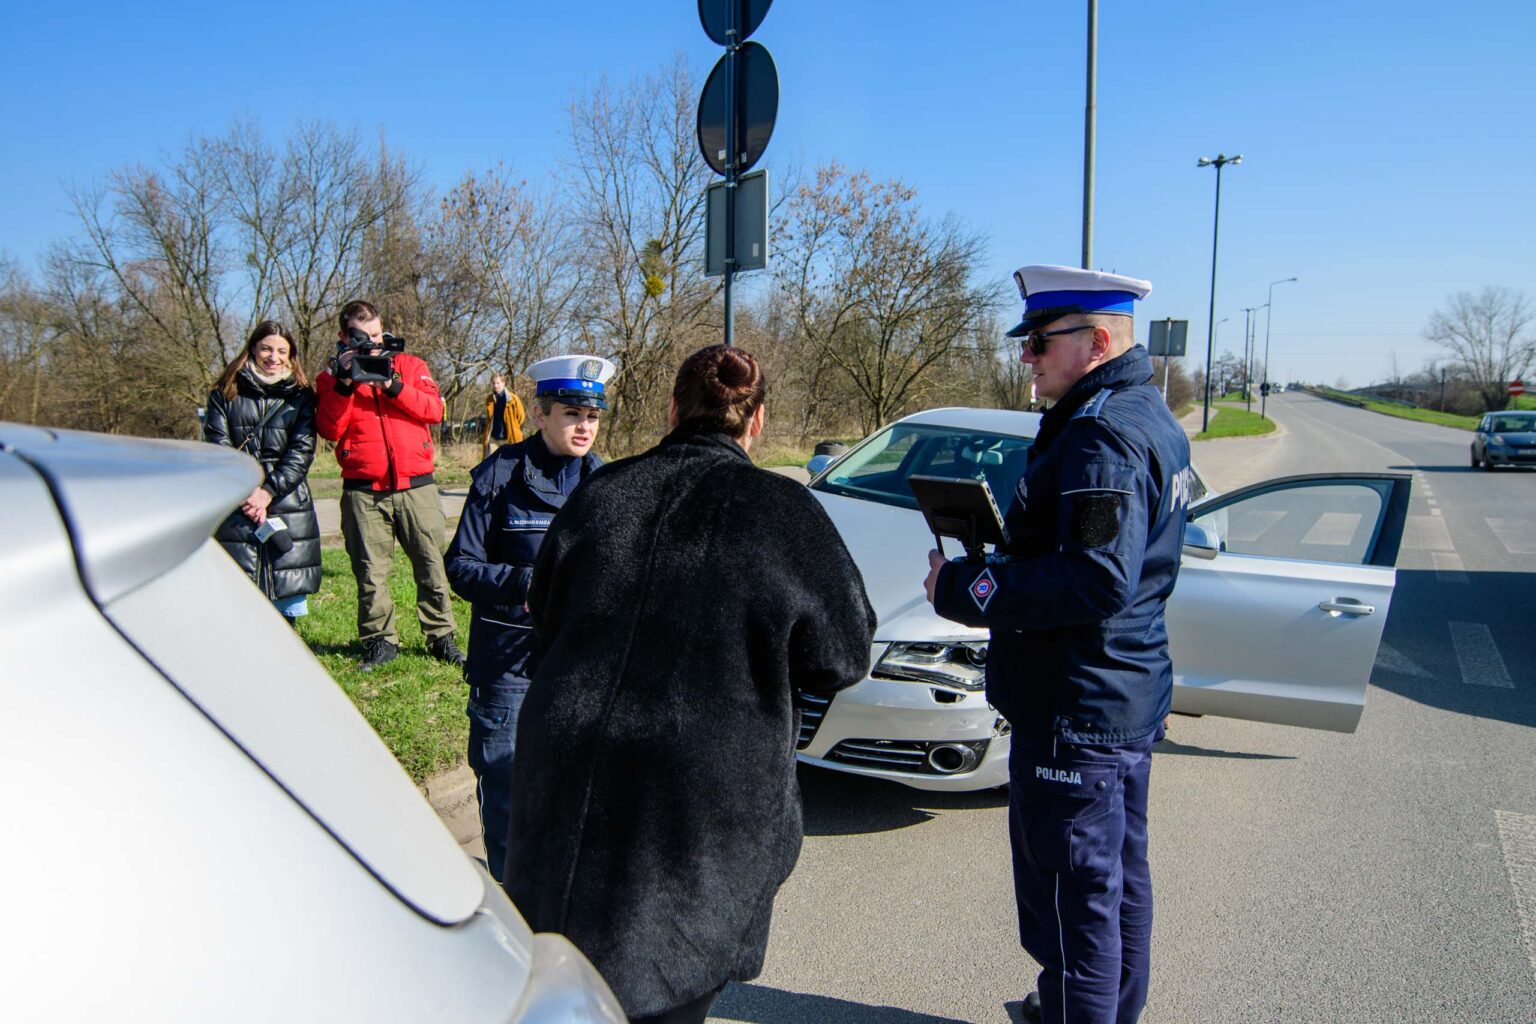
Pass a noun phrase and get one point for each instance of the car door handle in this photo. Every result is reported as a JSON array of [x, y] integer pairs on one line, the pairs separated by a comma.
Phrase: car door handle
[[1346, 606]]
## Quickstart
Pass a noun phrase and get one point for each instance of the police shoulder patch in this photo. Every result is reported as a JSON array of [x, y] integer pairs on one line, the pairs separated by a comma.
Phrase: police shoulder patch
[[1095, 518], [983, 588]]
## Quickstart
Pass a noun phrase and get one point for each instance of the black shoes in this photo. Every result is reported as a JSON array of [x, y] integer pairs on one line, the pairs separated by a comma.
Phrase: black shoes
[[376, 652], [1029, 1009], [446, 648]]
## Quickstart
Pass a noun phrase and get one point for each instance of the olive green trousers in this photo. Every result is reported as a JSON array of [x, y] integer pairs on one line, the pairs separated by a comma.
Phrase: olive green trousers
[[371, 522]]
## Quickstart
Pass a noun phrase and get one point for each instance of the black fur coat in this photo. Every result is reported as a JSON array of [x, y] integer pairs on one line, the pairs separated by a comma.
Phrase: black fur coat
[[680, 599]]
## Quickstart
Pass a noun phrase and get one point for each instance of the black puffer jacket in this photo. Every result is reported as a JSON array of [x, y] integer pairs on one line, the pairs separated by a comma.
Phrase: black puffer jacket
[[285, 448]]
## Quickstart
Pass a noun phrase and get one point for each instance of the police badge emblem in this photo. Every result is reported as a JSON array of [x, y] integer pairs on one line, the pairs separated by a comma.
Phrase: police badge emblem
[[982, 589], [591, 369]]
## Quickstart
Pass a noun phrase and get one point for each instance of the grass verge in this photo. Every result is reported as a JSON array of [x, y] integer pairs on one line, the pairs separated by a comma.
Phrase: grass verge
[[1406, 412], [1232, 422], [415, 703]]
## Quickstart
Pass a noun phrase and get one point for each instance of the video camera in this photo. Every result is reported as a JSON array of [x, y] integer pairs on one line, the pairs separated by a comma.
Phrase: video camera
[[367, 368]]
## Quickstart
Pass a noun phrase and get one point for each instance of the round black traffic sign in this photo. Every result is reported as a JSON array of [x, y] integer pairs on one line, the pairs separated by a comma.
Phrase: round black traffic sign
[[757, 106], [715, 15]]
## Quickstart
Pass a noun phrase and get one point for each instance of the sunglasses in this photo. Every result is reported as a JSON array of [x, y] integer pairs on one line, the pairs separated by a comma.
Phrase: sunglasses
[[1036, 341]]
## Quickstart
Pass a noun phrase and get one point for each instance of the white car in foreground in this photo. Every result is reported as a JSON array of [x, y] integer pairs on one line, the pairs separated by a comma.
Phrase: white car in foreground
[[198, 824], [1276, 617]]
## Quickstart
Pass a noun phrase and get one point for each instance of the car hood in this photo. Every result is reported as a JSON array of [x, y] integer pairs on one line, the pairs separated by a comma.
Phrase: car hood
[[890, 546], [1516, 436]]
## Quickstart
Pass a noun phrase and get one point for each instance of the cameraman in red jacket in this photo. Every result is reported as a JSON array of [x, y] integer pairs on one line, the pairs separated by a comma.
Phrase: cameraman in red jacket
[[375, 403]]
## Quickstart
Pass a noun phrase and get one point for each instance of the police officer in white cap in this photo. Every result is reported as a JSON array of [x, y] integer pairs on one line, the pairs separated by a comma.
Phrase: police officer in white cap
[[1078, 661], [513, 496]]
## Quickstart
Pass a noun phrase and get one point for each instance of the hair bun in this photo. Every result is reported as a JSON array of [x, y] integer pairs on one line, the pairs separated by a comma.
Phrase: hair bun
[[735, 370]]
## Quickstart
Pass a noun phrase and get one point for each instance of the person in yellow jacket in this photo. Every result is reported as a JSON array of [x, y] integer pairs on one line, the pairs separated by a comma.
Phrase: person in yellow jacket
[[504, 415]]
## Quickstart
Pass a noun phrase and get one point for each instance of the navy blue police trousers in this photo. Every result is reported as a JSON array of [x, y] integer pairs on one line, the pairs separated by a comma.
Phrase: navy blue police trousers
[[1077, 820], [492, 736]]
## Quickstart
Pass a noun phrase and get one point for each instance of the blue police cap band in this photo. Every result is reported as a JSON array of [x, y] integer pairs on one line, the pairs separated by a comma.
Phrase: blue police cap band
[[1043, 307], [556, 385]]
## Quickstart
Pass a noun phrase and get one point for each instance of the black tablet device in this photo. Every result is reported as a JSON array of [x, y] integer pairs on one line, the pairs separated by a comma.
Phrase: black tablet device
[[962, 508]]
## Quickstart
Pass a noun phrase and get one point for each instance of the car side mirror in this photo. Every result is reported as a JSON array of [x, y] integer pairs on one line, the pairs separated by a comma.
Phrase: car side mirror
[[1201, 541], [819, 463]]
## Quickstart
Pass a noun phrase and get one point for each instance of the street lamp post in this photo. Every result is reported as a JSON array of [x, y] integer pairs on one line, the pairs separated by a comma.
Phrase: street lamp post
[[1248, 319], [1268, 317], [1219, 162], [1090, 119]]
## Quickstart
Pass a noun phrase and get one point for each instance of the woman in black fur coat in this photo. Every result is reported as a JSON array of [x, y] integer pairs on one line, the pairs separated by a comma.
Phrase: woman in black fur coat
[[264, 406], [680, 599]]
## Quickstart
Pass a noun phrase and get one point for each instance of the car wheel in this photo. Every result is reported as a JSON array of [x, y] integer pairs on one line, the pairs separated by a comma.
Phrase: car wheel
[[1474, 458]]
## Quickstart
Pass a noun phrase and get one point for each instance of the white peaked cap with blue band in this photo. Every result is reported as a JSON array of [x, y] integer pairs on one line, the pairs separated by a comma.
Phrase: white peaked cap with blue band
[[572, 380], [1051, 292]]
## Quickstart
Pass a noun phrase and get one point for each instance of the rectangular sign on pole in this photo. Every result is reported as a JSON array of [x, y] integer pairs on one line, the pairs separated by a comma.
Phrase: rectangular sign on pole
[[751, 225], [1168, 338]]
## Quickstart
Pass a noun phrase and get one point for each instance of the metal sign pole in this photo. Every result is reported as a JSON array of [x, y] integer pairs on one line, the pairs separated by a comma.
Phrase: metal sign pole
[[733, 43], [1167, 347]]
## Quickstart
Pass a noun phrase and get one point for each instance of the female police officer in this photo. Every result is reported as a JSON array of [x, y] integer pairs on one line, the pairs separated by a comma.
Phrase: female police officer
[[514, 495]]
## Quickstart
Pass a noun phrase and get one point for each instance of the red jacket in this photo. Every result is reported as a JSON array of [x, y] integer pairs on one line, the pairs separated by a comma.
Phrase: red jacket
[[381, 433]]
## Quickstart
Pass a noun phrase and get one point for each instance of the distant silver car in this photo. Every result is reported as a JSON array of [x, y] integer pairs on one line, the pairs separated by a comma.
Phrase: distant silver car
[[1277, 614], [1505, 439], [198, 824]]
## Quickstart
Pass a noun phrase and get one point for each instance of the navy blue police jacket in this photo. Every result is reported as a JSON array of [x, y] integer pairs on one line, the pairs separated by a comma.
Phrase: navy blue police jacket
[[1079, 645], [511, 502]]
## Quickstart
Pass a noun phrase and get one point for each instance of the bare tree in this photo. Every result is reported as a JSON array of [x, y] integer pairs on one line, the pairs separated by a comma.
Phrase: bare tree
[[1489, 334], [884, 293], [637, 201]]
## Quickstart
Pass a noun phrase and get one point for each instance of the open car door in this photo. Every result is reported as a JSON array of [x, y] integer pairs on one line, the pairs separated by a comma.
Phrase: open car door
[[1282, 597]]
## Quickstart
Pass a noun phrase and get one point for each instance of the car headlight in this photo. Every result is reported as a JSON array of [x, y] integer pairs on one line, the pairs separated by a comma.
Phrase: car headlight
[[958, 663], [1497, 439]]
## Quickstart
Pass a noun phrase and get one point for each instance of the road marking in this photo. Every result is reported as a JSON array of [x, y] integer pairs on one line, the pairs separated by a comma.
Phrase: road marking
[[1333, 528], [1517, 535], [1250, 526], [1448, 567], [1427, 533], [1390, 659], [1517, 834], [1481, 662], [1434, 511]]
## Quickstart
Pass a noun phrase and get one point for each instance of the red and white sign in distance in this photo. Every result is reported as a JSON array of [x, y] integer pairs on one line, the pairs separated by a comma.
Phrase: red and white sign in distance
[[1516, 387]]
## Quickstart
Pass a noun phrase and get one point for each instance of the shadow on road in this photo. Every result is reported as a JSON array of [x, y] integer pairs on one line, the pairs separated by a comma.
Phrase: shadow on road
[[837, 804], [1190, 750], [1424, 664], [759, 1004]]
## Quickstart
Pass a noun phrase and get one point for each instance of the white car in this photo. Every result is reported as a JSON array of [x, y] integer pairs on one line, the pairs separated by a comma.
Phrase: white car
[[198, 824], [1277, 615]]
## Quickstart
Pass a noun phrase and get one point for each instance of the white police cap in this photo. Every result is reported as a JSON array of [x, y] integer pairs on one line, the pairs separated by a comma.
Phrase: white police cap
[[1050, 292], [572, 380]]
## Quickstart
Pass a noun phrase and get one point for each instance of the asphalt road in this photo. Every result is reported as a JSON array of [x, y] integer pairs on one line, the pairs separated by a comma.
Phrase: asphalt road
[[1388, 875]]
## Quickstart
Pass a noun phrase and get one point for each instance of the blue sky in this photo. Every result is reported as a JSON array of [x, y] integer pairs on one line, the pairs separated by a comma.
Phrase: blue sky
[[1389, 150]]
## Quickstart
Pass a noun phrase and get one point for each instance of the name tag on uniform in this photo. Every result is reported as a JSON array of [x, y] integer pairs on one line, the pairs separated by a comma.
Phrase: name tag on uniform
[[527, 522]]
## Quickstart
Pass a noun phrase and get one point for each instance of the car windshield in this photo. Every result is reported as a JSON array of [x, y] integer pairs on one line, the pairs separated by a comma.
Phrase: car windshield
[[1513, 424], [878, 470]]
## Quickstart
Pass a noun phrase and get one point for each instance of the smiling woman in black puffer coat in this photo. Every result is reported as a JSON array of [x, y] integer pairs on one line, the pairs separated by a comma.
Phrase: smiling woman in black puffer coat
[[264, 406]]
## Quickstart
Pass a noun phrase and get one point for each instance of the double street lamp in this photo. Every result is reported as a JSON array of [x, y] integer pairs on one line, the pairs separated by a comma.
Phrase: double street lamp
[[1268, 317], [1219, 162]]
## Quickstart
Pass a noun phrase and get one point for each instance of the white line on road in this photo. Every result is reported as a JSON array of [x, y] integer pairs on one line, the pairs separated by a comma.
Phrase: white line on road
[[1427, 533], [1517, 535], [1517, 834], [1333, 528], [1481, 662], [1434, 511], [1448, 567]]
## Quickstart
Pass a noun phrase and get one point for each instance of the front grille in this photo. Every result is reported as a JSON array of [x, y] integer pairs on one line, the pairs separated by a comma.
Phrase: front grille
[[896, 755], [812, 710]]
